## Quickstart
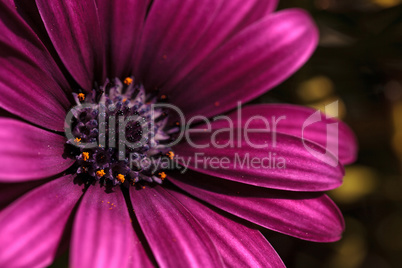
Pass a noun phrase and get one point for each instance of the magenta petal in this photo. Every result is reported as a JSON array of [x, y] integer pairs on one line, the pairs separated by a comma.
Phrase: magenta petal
[[103, 235], [292, 120], [32, 227], [254, 61], [283, 164], [234, 16], [29, 153], [74, 29], [9, 192], [239, 245], [31, 83], [121, 23], [171, 31], [309, 216], [175, 237]]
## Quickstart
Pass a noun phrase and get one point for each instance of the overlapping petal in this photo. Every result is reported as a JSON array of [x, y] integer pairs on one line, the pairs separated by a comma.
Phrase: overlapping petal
[[103, 235], [309, 216], [275, 161], [32, 86], [295, 120], [171, 31], [175, 237], [252, 62], [232, 17], [9, 192], [73, 27], [239, 245], [30, 153], [121, 23], [32, 227]]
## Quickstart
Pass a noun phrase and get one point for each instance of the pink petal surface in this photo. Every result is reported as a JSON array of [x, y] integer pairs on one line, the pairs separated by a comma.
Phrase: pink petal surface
[[231, 17], [121, 23], [9, 192], [283, 163], [254, 61], [74, 29], [175, 237], [239, 245], [309, 216], [32, 227], [292, 120], [103, 235], [31, 84], [171, 31], [29, 153]]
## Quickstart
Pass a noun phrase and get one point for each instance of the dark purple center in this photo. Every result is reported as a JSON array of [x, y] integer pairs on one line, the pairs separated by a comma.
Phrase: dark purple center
[[120, 135]]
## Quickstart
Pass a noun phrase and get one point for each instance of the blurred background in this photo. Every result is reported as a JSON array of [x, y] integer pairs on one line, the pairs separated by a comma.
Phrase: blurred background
[[359, 63]]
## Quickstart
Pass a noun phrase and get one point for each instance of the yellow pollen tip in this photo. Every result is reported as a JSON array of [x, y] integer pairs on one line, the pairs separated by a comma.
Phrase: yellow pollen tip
[[121, 178], [77, 140], [128, 81], [85, 156], [162, 175], [170, 154], [100, 173], [124, 100], [81, 96]]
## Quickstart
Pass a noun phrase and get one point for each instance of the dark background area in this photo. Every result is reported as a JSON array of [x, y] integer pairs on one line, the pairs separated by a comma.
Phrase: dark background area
[[359, 63]]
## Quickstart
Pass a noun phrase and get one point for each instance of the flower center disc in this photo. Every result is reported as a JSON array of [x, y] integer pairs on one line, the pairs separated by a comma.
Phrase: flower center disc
[[120, 134]]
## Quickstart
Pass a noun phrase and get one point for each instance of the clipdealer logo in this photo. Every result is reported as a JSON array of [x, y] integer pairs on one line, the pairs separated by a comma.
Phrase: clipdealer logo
[[331, 154]]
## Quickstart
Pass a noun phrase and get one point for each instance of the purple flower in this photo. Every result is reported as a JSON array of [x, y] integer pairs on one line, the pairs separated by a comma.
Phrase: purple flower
[[200, 56]]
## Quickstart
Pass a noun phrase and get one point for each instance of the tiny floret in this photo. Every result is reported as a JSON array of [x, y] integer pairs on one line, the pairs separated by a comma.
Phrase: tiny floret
[[121, 178], [81, 96], [170, 154], [85, 156], [128, 81], [162, 175], [100, 173]]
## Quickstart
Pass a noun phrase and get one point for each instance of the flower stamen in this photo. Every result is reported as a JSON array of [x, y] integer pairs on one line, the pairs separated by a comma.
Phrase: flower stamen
[[170, 154], [162, 175], [128, 81], [100, 173], [81, 96], [121, 178], [85, 156]]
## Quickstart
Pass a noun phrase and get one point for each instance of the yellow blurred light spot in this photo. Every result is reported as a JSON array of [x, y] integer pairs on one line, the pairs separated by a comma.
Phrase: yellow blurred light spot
[[397, 123], [387, 3], [359, 182], [315, 89], [337, 111]]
